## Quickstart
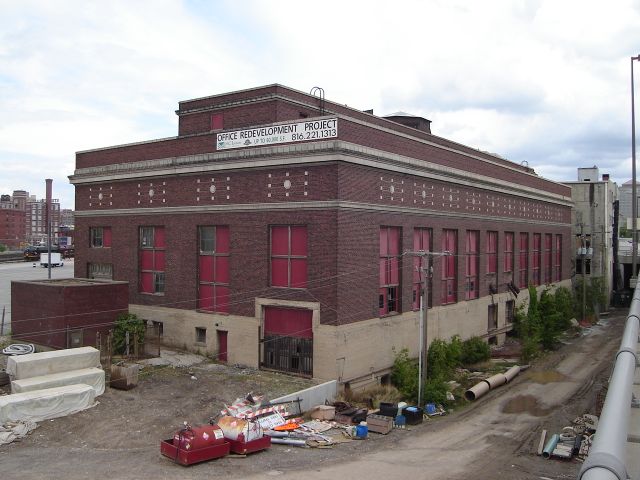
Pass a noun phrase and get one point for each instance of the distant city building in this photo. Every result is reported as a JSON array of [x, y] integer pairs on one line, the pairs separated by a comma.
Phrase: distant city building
[[66, 217], [12, 225], [36, 220], [626, 205]]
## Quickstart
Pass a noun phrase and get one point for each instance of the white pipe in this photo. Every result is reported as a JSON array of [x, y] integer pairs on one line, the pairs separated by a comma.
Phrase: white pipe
[[512, 372], [477, 391], [496, 380], [606, 460]]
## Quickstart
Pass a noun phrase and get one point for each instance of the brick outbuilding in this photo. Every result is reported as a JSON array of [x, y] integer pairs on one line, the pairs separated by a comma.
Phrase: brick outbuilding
[[276, 230]]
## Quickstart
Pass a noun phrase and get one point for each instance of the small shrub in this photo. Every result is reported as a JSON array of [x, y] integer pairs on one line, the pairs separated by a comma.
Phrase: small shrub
[[3, 247], [127, 322], [404, 374], [475, 350], [435, 391]]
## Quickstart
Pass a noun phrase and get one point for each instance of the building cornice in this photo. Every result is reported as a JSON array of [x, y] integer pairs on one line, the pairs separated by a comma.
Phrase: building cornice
[[297, 206], [301, 154]]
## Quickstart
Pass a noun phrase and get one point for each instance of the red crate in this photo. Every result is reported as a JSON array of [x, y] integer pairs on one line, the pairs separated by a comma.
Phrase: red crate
[[242, 448], [189, 457]]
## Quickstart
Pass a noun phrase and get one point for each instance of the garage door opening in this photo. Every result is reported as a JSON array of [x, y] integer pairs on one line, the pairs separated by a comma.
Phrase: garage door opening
[[287, 343]]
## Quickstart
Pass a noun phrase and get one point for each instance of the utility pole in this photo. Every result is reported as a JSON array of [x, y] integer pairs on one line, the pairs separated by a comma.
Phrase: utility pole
[[426, 276], [426, 272], [583, 255]]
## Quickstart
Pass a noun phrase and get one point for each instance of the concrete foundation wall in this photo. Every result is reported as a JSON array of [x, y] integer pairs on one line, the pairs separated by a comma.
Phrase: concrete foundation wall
[[179, 330], [358, 353]]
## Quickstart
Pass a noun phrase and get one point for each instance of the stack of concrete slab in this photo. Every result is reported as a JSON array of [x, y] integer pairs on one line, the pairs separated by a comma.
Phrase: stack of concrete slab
[[52, 384]]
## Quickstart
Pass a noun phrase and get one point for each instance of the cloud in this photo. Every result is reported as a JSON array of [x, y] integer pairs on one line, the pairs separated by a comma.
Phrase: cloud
[[538, 81]]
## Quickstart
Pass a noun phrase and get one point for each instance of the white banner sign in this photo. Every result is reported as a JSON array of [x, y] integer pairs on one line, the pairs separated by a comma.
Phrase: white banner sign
[[289, 132]]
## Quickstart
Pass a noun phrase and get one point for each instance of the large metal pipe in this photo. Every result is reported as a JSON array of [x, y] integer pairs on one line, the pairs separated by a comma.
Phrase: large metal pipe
[[606, 460]]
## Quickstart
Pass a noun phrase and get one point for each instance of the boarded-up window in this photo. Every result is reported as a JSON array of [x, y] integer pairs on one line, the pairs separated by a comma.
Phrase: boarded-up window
[[152, 260], [389, 269], [213, 268], [524, 260], [289, 256], [449, 274], [471, 264]]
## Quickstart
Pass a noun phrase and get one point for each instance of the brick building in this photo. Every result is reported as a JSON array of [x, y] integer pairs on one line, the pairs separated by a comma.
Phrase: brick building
[[271, 231], [12, 226]]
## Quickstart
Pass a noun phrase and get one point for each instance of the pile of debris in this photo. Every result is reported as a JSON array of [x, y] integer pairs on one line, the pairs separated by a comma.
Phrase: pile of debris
[[573, 442]]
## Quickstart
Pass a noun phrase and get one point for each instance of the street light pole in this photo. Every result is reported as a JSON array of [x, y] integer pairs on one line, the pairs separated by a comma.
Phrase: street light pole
[[634, 213]]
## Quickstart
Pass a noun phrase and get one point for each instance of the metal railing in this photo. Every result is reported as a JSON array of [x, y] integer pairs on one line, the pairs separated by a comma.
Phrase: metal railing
[[607, 456]]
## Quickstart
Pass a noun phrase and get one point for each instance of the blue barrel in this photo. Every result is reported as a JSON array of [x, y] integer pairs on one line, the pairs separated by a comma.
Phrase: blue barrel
[[362, 430]]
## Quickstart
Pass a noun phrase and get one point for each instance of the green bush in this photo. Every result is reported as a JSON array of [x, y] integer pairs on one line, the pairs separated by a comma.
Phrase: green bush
[[435, 391], [404, 374], [127, 322], [3, 247], [474, 350], [443, 357]]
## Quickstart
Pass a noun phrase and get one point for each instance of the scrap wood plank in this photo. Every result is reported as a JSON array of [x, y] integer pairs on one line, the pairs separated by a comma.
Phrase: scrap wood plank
[[543, 437]]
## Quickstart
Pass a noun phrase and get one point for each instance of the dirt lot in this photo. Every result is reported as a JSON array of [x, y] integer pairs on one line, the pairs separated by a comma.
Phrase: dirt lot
[[495, 436]]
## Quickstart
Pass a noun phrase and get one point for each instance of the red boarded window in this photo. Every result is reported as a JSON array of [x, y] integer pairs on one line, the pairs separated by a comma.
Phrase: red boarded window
[[449, 275], [537, 257], [558, 259], [213, 268], [548, 268], [388, 294], [492, 252], [422, 241], [289, 256], [217, 121], [508, 252], [100, 237], [524, 260], [471, 264], [152, 260]]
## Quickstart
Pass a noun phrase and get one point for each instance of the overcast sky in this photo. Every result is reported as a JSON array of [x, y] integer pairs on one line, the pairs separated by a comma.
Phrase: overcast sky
[[546, 82]]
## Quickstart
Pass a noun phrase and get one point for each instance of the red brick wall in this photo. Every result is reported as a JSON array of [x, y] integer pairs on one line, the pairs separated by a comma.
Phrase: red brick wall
[[12, 227], [41, 312], [249, 252]]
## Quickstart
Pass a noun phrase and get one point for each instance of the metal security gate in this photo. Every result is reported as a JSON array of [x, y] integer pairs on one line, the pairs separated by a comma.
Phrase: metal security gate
[[288, 354], [287, 343]]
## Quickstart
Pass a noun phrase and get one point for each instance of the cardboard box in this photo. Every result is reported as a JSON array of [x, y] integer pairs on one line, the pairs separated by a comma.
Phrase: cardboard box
[[379, 423], [323, 412]]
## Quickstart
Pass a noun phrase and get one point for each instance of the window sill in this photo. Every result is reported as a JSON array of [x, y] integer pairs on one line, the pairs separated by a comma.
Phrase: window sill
[[211, 312], [160, 294], [200, 344], [288, 288]]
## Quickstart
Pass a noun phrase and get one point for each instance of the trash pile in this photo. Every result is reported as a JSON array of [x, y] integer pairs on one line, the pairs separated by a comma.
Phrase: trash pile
[[251, 424], [572, 442]]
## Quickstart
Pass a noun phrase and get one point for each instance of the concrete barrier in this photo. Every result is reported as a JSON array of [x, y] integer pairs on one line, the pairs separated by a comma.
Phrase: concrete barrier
[[312, 396]]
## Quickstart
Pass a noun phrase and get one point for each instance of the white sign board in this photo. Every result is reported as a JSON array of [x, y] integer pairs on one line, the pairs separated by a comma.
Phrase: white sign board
[[288, 132]]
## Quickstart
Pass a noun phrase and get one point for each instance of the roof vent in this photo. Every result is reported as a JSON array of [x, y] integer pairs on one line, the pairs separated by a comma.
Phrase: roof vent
[[408, 120]]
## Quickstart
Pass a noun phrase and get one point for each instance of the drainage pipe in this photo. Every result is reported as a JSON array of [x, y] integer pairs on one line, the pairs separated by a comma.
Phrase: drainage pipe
[[550, 446], [512, 372], [606, 460], [496, 380], [477, 391]]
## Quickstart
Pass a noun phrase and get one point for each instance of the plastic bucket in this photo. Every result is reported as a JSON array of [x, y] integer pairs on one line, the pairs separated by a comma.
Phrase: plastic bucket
[[362, 430]]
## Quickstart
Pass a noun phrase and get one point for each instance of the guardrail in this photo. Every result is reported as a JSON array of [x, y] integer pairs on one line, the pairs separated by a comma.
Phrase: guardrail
[[607, 457], [11, 257]]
